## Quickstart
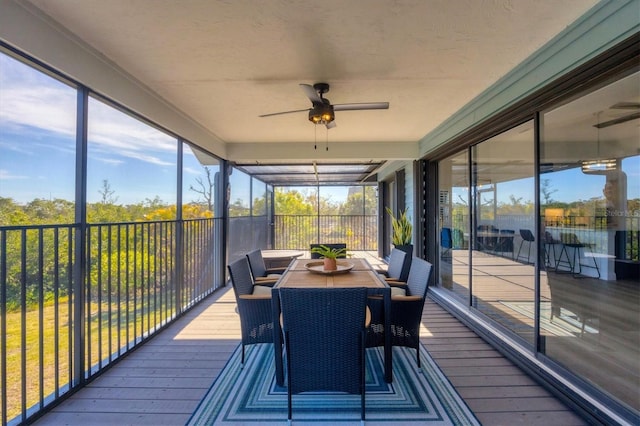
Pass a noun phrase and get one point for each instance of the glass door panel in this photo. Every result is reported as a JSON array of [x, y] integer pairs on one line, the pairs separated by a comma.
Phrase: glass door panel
[[504, 253]]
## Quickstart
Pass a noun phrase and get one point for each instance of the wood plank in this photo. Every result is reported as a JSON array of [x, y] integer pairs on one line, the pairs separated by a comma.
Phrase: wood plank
[[526, 418], [56, 418], [165, 406], [501, 391], [493, 405]]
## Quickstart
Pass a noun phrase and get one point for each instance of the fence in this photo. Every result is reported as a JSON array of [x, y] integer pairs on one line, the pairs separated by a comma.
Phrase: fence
[[298, 232], [591, 229], [72, 301]]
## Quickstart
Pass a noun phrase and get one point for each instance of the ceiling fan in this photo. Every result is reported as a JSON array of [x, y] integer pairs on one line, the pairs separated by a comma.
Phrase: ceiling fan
[[321, 111], [623, 119]]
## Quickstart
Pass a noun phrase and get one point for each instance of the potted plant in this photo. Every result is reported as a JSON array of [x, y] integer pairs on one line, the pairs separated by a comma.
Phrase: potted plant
[[401, 239], [402, 229], [329, 255]]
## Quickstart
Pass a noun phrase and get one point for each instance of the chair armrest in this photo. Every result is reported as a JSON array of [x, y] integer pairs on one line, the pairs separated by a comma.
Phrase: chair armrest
[[396, 283], [276, 270], [406, 298], [255, 296], [266, 281]]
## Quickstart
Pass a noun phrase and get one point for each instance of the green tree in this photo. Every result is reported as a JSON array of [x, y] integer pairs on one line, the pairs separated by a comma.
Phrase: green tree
[[56, 211], [294, 203], [107, 194], [545, 189], [12, 213], [362, 201]]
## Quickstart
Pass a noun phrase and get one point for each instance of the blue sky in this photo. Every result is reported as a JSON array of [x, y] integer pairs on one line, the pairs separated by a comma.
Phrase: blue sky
[[37, 155], [37, 145]]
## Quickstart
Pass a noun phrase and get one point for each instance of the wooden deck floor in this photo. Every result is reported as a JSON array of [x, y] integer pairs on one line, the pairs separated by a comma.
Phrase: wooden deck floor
[[162, 382]]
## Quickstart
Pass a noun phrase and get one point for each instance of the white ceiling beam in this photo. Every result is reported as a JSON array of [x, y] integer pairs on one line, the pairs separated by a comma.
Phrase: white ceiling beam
[[304, 151]]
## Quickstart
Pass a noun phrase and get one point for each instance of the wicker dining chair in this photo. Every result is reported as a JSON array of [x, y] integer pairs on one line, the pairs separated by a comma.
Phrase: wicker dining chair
[[407, 303], [395, 265], [254, 305], [259, 270], [324, 332]]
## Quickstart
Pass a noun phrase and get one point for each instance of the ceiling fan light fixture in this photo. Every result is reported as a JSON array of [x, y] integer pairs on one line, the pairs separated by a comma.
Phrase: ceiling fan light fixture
[[321, 114], [599, 166]]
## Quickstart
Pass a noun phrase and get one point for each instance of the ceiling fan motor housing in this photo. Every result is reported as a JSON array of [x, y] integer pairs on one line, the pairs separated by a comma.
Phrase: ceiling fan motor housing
[[321, 113]]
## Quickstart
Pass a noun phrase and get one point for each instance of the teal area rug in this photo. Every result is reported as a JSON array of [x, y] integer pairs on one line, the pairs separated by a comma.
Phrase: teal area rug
[[249, 395], [566, 324]]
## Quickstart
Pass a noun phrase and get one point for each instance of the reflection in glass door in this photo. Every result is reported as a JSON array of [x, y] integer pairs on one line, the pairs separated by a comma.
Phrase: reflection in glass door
[[453, 225], [590, 211], [504, 253]]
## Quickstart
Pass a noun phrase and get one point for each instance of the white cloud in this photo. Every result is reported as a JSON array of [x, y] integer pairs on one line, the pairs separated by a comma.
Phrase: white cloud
[[6, 175], [31, 99], [192, 171]]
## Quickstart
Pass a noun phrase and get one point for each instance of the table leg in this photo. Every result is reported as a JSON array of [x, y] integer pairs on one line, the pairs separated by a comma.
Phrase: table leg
[[277, 336], [388, 348]]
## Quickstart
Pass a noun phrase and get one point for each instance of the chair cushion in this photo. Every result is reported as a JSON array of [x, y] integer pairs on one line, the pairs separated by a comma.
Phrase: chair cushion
[[398, 291], [261, 290]]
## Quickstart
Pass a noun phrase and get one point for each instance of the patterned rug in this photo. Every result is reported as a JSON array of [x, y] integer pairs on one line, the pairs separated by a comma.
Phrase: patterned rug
[[249, 395]]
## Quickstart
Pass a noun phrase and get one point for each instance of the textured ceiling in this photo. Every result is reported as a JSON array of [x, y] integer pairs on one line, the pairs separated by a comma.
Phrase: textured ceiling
[[223, 63]]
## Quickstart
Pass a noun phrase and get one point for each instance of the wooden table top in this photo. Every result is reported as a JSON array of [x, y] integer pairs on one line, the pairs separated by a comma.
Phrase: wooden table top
[[281, 254], [362, 275]]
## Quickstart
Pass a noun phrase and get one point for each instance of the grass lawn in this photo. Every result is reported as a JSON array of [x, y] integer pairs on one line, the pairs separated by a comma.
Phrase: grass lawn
[[42, 327]]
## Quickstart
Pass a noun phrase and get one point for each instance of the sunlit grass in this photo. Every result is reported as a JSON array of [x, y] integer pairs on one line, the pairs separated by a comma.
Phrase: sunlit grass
[[41, 327]]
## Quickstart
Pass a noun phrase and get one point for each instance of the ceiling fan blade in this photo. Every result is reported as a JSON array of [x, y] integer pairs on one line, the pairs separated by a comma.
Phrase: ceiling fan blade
[[618, 120], [311, 93], [283, 112], [626, 105], [365, 105]]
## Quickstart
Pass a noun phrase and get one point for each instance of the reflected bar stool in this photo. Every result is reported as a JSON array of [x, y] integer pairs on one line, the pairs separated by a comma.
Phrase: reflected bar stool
[[571, 240], [549, 246], [527, 236]]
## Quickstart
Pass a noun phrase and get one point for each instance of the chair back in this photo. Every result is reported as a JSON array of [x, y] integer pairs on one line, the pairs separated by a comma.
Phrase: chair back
[[256, 263], [419, 275], [332, 246], [487, 228], [241, 278], [396, 263], [446, 239], [527, 235], [324, 337]]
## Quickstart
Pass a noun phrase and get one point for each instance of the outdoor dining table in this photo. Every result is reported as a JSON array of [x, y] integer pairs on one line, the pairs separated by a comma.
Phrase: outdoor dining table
[[279, 258], [360, 274]]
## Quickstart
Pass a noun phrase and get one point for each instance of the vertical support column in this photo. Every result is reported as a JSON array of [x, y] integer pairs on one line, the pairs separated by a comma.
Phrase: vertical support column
[[383, 238], [539, 260], [80, 249], [221, 213], [178, 278]]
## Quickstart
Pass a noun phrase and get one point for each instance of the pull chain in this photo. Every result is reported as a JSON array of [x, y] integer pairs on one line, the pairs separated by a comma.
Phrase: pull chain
[[315, 137], [327, 140]]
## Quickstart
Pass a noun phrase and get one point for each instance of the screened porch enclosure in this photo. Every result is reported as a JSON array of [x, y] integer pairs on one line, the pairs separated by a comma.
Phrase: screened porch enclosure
[[294, 217], [78, 297]]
